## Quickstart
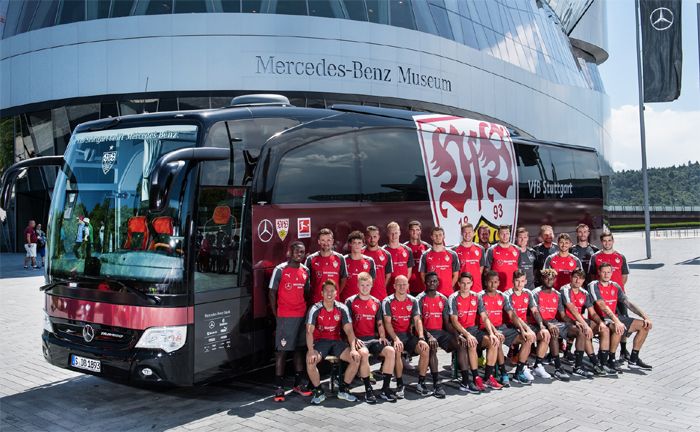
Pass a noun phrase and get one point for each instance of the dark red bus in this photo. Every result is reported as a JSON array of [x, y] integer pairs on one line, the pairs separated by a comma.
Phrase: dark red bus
[[164, 228]]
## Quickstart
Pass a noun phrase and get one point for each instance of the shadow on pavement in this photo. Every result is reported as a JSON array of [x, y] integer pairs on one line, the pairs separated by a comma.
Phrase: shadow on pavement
[[11, 266]]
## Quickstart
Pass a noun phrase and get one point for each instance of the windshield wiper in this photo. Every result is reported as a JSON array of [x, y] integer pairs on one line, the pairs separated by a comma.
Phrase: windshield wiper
[[151, 299]]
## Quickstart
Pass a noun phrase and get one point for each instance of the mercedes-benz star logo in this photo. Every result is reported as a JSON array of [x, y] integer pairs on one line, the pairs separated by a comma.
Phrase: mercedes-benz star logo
[[88, 333], [265, 230], [661, 18]]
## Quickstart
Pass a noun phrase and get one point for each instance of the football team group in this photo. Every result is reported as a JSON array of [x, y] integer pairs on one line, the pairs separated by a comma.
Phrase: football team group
[[483, 303]]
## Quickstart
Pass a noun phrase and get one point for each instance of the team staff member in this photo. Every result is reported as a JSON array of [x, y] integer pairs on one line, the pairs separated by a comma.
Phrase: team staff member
[[418, 248], [401, 314], [401, 256], [503, 258], [562, 261], [325, 323], [550, 306], [484, 237], [583, 249], [444, 262], [365, 311], [472, 257], [356, 262], [526, 260], [289, 288], [607, 295], [543, 250], [325, 264], [383, 265]]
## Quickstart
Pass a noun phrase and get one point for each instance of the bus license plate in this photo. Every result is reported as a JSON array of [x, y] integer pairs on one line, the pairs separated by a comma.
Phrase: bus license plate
[[85, 363]]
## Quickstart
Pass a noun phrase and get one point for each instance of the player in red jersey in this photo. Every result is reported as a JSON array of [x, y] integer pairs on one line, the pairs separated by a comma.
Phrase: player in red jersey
[[562, 261], [503, 258], [401, 315], [383, 264], [484, 237], [576, 301], [418, 248], [401, 256], [440, 333], [444, 262], [289, 288], [472, 257], [607, 294], [550, 307], [356, 262], [365, 311], [325, 323], [324, 265], [620, 273]]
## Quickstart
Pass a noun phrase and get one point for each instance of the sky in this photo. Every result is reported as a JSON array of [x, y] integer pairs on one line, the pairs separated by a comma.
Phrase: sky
[[671, 137]]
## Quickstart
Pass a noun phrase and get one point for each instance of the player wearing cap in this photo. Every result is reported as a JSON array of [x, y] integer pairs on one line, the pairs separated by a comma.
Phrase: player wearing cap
[[401, 316], [503, 258], [562, 261], [418, 248], [325, 264], [382, 262], [289, 288], [401, 256], [472, 257], [356, 262], [444, 262], [366, 314], [326, 322]]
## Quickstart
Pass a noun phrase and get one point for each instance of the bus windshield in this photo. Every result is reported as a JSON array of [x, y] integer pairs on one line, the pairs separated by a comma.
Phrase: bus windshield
[[100, 226]]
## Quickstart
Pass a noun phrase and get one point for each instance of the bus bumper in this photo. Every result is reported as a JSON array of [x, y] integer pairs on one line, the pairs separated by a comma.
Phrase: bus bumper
[[138, 366]]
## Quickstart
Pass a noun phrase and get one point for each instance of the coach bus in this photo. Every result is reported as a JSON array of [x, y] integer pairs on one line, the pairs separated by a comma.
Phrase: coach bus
[[164, 228]]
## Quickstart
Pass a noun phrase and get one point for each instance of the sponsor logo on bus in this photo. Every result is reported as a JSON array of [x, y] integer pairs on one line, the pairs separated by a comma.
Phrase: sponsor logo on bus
[[471, 170]]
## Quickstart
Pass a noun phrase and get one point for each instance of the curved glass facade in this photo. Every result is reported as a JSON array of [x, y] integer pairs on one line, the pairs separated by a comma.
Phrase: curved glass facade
[[525, 33]]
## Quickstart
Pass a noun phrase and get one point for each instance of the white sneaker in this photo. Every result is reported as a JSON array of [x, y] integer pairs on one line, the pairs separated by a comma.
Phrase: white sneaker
[[540, 372], [345, 395], [528, 374]]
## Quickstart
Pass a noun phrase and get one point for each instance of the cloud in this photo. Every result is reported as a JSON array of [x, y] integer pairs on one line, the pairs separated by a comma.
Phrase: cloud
[[671, 137]]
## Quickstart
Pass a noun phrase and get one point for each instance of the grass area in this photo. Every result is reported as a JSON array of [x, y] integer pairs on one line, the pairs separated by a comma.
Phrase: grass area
[[670, 225]]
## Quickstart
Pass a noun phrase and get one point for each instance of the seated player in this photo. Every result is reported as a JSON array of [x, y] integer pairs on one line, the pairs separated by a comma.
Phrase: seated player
[[550, 305], [366, 314], [440, 333], [401, 315], [606, 295], [494, 305], [325, 323]]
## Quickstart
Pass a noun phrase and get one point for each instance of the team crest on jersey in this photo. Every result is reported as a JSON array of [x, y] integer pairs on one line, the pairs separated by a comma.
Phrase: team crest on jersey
[[526, 300], [515, 253], [403, 254], [571, 264], [473, 302], [283, 342], [476, 252], [440, 304], [365, 266], [336, 317], [471, 170], [447, 257], [374, 307], [409, 308], [500, 302], [381, 258], [335, 264], [282, 226], [617, 260], [303, 276]]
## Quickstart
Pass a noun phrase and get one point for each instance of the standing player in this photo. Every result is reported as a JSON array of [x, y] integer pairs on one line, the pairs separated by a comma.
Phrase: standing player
[[401, 256], [326, 321], [484, 237], [543, 250], [526, 261], [382, 262], [583, 249], [289, 288], [326, 264], [418, 248], [562, 261], [607, 295], [356, 262], [503, 258], [550, 306], [444, 262], [472, 257], [401, 313], [366, 314]]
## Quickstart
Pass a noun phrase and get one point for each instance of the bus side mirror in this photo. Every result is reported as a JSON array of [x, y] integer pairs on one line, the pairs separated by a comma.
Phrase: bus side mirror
[[11, 174], [169, 165]]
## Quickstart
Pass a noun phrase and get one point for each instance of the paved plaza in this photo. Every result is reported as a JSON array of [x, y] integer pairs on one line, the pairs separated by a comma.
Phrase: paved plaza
[[37, 396]]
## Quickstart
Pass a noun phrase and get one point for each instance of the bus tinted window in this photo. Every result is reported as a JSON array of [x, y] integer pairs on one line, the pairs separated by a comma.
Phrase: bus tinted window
[[562, 161]]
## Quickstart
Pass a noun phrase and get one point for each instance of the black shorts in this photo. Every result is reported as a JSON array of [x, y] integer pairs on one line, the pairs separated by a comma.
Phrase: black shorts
[[373, 345], [330, 347], [290, 333], [444, 339], [510, 334], [478, 333], [626, 320], [409, 341]]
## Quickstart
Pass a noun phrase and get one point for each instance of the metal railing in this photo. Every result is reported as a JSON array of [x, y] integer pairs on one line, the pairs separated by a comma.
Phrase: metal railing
[[660, 209]]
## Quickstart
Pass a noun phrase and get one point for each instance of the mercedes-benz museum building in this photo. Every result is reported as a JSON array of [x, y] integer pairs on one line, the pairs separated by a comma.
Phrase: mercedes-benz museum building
[[529, 64]]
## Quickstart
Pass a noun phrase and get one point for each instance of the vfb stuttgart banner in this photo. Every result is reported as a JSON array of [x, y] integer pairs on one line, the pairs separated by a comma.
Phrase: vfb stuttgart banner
[[471, 172]]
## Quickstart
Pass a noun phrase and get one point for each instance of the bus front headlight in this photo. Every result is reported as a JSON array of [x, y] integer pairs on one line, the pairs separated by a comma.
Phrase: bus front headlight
[[168, 339]]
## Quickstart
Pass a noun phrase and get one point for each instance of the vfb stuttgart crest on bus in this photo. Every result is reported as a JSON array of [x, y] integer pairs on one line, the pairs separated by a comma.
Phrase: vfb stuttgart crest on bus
[[108, 159], [471, 170]]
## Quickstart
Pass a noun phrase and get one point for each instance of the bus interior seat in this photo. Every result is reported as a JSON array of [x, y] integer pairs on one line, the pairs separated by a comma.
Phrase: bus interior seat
[[137, 233], [163, 227]]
